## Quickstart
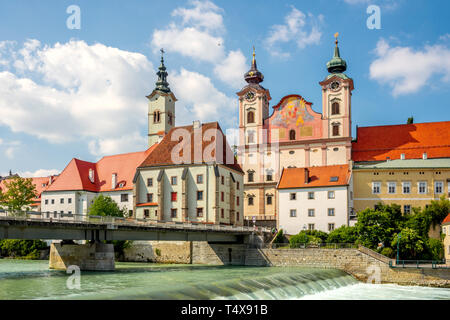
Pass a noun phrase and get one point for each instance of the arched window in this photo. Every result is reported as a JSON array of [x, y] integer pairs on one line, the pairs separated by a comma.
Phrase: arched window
[[292, 135], [250, 117], [335, 108]]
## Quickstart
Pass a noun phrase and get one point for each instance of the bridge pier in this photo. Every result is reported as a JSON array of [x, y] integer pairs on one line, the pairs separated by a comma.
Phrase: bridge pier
[[96, 256]]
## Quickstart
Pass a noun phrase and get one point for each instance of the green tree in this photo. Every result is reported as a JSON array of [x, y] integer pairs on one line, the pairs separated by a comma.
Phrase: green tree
[[106, 206], [299, 239], [19, 194], [343, 234], [435, 249], [411, 246], [438, 210], [410, 120], [29, 249], [379, 226]]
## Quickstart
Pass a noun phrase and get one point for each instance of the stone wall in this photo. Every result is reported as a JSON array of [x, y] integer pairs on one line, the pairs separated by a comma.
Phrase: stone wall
[[88, 257], [159, 252], [362, 266]]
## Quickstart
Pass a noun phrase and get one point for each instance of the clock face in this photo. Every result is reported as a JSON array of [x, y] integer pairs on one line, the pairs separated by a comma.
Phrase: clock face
[[335, 85], [250, 96]]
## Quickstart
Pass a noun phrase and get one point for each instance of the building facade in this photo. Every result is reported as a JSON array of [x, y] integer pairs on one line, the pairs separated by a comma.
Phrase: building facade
[[293, 135], [73, 192], [408, 165], [446, 232], [203, 189], [317, 198]]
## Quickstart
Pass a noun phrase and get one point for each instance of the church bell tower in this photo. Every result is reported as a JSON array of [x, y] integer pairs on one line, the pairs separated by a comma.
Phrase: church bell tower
[[161, 107]]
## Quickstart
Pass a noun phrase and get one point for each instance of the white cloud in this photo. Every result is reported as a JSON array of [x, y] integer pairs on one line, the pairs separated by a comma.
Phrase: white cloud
[[232, 69], [407, 70], [205, 14], [76, 92], [39, 173], [302, 29], [207, 104], [190, 42]]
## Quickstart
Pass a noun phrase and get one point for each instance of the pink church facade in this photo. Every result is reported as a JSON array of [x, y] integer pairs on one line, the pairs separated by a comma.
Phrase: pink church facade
[[291, 135]]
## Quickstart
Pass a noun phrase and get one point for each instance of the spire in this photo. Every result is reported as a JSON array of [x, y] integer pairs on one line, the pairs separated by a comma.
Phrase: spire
[[337, 64], [162, 84], [254, 76]]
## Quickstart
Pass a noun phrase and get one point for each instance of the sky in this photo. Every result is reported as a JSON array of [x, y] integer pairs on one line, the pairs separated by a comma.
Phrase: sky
[[73, 81]]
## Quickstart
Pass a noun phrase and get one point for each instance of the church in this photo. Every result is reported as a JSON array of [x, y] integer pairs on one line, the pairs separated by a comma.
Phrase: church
[[290, 136]]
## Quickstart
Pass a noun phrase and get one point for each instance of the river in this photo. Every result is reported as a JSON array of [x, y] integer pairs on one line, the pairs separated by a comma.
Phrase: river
[[25, 279]]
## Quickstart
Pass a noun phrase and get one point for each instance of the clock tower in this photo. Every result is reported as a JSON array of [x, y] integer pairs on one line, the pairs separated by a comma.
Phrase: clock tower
[[253, 107], [336, 98]]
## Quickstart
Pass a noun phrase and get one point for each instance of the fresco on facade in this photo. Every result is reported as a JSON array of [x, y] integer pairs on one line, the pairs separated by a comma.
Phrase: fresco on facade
[[292, 111]]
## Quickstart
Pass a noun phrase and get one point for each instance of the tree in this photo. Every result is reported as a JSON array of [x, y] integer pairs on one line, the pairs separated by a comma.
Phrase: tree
[[438, 210], [106, 206], [410, 120], [411, 245], [343, 234], [19, 194], [379, 226]]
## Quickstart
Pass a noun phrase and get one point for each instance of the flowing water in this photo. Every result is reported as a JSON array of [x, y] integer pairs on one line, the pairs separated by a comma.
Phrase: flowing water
[[22, 279]]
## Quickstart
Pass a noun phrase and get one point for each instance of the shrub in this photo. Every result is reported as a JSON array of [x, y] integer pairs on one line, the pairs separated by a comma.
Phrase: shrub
[[279, 238], [343, 234], [298, 239], [29, 249], [388, 252], [435, 249], [323, 236]]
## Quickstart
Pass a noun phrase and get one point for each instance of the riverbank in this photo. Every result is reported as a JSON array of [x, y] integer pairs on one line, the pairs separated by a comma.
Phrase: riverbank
[[362, 263]]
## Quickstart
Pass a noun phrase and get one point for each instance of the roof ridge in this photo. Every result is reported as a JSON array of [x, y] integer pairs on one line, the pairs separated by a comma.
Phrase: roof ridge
[[404, 124]]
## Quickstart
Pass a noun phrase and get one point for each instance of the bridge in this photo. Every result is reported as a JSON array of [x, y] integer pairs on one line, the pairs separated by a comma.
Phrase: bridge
[[97, 255]]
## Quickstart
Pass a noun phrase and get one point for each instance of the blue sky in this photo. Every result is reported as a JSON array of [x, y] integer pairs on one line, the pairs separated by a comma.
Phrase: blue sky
[[68, 93]]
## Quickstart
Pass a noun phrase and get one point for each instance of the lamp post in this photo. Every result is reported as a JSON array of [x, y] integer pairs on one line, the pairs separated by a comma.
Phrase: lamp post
[[398, 246]]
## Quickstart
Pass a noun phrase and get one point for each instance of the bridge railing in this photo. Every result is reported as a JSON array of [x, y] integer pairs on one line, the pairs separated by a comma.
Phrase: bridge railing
[[87, 219]]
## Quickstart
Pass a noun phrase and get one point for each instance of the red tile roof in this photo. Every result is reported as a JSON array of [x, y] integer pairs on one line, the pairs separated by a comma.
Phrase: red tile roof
[[40, 183], [76, 174], [163, 152], [446, 220], [378, 143], [293, 178]]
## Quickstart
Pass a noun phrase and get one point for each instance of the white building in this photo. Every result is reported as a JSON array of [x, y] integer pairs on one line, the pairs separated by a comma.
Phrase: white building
[[315, 198], [75, 189]]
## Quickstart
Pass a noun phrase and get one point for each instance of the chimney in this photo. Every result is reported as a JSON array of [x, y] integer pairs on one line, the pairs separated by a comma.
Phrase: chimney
[[50, 180], [196, 124], [424, 156], [114, 181], [306, 175]]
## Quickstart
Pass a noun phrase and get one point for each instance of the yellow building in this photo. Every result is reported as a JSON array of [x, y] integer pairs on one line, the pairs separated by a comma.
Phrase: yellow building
[[408, 183]]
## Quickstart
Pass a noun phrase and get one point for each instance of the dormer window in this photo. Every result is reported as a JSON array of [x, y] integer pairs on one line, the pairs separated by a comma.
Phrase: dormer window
[[91, 175]]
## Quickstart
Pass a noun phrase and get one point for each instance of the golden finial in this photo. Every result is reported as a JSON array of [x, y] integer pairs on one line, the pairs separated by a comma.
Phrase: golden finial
[[336, 35], [253, 54]]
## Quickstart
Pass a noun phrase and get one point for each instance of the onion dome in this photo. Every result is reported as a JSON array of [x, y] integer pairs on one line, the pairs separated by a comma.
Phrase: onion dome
[[162, 84], [253, 75], [337, 64]]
